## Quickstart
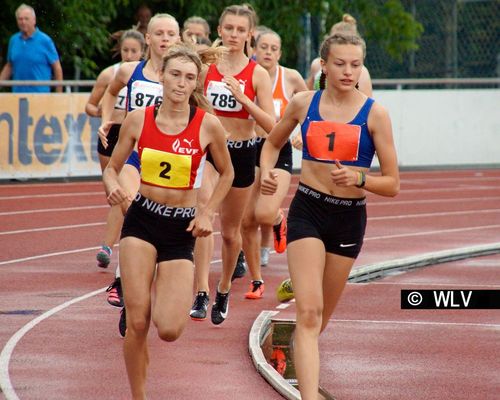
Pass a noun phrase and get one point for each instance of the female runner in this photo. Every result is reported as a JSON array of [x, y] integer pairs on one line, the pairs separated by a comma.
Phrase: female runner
[[159, 231], [341, 130]]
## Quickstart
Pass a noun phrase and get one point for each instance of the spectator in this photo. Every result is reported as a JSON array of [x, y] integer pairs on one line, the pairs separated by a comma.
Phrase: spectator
[[143, 16], [31, 55]]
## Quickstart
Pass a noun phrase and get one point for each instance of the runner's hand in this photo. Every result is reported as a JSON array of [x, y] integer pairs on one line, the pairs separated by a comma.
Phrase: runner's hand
[[103, 133], [297, 141], [200, 226], [269, 183], [343, 176], [117, 195], [234, 87]]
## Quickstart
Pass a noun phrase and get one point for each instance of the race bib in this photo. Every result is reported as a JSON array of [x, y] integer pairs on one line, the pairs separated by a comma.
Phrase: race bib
[[329, 141], [121, 99], [165, 169], [277, 108], [144, 94], [221, 97]]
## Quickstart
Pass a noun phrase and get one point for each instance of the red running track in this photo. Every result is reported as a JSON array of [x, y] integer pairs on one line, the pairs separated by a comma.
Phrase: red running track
[[57, 345]]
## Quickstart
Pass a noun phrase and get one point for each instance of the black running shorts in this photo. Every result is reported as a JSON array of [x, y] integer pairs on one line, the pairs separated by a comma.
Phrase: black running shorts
[[284, 158], [112, 140], [243, 155], [339, 223], [162, 226]]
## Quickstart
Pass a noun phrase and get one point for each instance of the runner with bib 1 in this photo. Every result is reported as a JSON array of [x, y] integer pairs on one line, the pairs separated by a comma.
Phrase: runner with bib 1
[[330, 141]]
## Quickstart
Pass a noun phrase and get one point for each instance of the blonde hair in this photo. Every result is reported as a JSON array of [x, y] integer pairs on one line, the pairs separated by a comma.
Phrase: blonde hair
[[197, 20], [348, 25], [340, 38], [267, 31], [188, 52], [245, 10], [159, 16]]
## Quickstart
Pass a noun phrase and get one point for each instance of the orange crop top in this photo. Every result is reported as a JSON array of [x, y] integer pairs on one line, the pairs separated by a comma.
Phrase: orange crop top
[[280, 99]]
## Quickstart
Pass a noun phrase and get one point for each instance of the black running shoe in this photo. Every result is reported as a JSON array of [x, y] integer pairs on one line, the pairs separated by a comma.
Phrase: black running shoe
[[115, 294], [241, 267], [199, 310], [220, 308], [122, 325]]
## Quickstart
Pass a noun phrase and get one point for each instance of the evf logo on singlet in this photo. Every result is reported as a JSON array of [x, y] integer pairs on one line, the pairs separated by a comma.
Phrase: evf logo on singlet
[[179, 148]]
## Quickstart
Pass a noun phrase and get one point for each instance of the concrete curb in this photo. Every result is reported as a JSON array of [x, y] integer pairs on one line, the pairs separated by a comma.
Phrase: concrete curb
[[257, 334], [261, 325]]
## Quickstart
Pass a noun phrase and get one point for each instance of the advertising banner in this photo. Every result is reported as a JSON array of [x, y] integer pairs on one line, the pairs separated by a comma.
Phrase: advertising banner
[[47, 136]]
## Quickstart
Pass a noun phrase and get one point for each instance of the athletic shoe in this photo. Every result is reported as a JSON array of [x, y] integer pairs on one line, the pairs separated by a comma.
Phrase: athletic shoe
[[241, 267], [278, 361], [103, 257], [122, 324], [199, 310], [115, 293], [256, 290], [284, 292], [279, 233], [220, 308], [264, 256]]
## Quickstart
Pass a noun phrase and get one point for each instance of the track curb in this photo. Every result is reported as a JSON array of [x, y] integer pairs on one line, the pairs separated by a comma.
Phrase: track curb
[[262, 323]]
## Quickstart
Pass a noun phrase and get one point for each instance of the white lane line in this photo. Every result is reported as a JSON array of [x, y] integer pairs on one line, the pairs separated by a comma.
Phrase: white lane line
[[452, 324], [462, 200], [52, 195], [52, 228], [448, 190], [475, 228], [218, 233], [66, 252], [5, 355], [383, 218], [53, 184], [435, 214], [59, 253], [447, 285], [372, 203], [56, 210]]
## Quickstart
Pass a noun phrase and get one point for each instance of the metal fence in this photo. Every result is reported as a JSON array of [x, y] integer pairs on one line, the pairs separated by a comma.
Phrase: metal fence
[[72, 86], [460, 40]]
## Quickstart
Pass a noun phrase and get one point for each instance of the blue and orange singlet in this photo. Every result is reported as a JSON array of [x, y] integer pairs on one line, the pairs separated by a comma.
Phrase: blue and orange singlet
[[327, 141]]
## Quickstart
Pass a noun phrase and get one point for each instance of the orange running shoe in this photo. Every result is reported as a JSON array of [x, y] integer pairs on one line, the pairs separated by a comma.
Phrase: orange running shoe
[[279, 233], [256, 290], [278, 361]]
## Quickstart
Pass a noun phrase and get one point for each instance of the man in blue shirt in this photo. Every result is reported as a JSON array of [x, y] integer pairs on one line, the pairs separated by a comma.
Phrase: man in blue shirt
[[32, 54]]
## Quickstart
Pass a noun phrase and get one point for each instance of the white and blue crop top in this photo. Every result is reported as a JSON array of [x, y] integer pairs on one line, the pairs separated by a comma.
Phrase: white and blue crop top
[[142, 92], [350, 143]]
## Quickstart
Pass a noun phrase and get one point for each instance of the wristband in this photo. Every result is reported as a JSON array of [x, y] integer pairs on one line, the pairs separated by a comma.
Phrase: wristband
[[361, 179]]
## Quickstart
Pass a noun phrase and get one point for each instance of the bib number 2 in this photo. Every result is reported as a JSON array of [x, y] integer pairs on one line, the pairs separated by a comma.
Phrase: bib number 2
[[166, 169]]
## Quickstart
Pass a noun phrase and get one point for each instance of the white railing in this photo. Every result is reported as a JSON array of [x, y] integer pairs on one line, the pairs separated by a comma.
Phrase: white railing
[[377, 83]]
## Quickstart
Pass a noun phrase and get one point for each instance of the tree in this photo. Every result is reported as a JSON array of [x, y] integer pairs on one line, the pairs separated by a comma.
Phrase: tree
[[81, 29]]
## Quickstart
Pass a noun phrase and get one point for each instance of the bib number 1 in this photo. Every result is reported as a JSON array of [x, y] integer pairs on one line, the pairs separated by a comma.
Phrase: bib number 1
[[329, 141]]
